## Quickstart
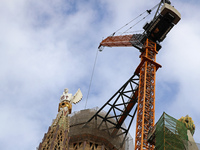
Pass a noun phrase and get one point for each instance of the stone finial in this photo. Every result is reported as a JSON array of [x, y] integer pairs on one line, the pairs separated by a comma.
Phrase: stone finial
[[189, 123]]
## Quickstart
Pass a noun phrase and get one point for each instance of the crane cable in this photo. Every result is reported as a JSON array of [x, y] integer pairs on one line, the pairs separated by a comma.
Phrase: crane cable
[[127, 23], [91, 78], [134, 24], [148, 11]]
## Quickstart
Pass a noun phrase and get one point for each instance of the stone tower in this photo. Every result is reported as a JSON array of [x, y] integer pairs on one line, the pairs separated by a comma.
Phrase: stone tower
[[57, 137]]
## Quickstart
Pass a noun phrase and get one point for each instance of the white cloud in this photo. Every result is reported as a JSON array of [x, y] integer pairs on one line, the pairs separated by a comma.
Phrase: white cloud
[[180, 60], [47, 46]]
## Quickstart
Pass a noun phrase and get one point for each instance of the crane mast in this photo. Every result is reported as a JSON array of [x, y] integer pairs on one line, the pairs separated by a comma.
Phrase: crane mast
[[146, 90], [144, 95]]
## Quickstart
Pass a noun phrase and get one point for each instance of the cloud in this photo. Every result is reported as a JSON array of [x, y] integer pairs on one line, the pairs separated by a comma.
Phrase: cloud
[[47, 46], [180, 61]]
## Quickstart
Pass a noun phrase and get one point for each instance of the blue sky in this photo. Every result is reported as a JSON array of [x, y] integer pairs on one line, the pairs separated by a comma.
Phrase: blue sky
[[47, 46]]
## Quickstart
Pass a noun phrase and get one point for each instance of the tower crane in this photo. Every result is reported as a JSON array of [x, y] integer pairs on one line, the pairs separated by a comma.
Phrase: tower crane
[[139, 91]]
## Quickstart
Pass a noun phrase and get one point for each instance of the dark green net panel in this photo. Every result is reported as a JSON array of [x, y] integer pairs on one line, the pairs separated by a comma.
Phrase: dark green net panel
[[170, 134]]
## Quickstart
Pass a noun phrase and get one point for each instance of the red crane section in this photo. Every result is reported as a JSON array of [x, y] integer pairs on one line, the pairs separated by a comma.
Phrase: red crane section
[[117, 41]]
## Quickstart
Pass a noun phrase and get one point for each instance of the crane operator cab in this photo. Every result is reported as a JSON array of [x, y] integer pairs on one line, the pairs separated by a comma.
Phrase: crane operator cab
[[158, 28]]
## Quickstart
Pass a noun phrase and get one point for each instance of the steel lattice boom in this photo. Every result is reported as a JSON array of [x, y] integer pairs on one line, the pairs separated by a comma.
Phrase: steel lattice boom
[[118, 108]]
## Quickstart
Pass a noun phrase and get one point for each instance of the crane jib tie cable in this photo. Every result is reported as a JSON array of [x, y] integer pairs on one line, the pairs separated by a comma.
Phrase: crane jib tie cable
[[148, 11]]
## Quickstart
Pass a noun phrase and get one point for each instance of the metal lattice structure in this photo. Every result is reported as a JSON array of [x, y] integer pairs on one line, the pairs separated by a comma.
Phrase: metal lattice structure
[[119, 108], [146, 95]]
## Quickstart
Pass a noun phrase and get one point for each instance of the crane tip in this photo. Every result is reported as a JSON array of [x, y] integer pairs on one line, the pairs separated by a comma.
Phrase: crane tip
[[101, 48]]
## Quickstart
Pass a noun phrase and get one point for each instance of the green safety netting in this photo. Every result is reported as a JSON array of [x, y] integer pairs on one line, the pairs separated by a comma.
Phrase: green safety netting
[[170, 134]]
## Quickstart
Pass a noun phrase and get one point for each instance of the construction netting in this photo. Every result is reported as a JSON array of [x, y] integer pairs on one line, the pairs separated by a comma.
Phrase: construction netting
[[170, 134]]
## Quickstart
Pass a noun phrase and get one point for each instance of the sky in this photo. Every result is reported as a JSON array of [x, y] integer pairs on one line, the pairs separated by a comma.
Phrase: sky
[[49, 45]]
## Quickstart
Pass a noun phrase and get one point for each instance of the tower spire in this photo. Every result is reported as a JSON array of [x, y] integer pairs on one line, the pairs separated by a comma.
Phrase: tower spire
[[57, 136]]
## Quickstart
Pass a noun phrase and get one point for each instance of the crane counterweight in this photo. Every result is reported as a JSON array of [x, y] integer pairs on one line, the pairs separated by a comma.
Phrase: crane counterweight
[[158, 28]]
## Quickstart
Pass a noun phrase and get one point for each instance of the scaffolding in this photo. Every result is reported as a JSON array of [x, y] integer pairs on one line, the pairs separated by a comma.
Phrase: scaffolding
[[88, 136], [170, 134]]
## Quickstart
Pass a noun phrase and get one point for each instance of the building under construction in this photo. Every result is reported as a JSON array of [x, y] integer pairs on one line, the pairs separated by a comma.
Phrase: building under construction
[[105, 129], [168, 134], [82, 135]]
